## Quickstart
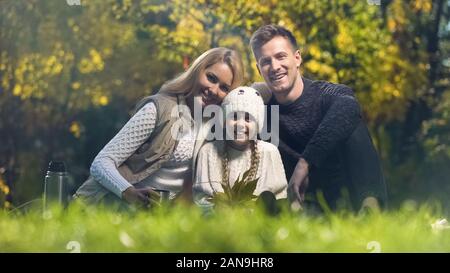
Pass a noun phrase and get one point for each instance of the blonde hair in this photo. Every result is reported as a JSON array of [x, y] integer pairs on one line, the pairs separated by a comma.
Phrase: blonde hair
[[254, 163], [185, 83]]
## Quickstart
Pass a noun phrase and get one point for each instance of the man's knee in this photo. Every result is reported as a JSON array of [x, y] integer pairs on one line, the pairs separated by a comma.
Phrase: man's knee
[[362, 166]]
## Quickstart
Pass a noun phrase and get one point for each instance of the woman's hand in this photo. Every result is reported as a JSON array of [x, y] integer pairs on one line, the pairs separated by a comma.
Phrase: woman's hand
[[145, 197]]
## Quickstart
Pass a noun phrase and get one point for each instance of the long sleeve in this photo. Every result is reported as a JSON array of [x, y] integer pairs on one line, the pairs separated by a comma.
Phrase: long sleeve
[[342, 115], [288, 150], [136, 131], [272, 177], [206, 178]]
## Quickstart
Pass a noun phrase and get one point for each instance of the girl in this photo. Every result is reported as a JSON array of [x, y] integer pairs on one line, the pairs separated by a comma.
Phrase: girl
[[222, 162]]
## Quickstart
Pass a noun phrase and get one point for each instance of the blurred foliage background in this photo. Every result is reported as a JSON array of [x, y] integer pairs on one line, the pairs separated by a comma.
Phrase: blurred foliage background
[[71, 74]]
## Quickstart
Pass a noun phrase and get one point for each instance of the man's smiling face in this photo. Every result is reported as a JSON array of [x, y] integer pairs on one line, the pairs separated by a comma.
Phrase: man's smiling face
[[278, 64]]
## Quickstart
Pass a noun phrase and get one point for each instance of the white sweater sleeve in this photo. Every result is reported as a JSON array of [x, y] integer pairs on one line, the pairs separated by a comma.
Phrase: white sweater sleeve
[[136, 131], [273, 177], [205, 183]]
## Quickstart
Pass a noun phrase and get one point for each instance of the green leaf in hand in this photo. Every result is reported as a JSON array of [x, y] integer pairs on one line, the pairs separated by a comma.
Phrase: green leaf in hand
[[240, 193]]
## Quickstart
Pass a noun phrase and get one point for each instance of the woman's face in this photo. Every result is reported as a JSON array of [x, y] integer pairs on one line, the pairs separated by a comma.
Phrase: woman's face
[[240, 128], [214, 84]]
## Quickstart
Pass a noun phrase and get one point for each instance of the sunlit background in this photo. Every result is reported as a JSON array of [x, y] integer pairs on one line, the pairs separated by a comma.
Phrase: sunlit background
[[72, 71]]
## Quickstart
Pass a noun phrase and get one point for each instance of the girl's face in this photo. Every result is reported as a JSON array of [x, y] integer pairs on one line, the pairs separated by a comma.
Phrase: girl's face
[[214, 84], [240, 128]]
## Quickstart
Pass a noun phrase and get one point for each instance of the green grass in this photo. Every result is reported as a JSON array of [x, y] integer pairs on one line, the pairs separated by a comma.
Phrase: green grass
[[187, 229]]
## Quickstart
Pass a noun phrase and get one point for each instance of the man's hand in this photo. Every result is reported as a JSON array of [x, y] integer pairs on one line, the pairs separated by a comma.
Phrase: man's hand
[[144, 197], [299, 182]]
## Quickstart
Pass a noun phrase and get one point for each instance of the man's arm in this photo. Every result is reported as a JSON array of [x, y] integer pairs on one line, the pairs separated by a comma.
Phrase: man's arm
[[341, 116]]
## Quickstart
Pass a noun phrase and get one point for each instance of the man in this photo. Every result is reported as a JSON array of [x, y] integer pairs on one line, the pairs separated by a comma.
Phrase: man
[[325, 145]]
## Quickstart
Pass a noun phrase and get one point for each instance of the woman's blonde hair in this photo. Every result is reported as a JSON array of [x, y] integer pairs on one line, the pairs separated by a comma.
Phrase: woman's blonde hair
[[186, 81]]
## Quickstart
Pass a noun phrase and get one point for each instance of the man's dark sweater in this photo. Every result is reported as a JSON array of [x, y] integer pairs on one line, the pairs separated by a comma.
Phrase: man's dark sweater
[[324, 127]]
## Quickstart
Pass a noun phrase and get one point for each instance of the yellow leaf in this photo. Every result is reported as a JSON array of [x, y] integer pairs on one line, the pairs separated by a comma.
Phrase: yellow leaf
[[103, 100], [17, 90], [76, 85], [75, 129], [3, 187], [57, 69], [344, 40], [391, 24], [85, 66], [313, 66], [96, 58], [314, 51]]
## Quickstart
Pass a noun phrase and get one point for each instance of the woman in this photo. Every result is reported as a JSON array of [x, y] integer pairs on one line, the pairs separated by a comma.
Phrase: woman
[[146, 155]]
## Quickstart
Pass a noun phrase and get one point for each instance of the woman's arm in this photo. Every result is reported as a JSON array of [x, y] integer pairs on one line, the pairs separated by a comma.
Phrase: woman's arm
[[135, 132]]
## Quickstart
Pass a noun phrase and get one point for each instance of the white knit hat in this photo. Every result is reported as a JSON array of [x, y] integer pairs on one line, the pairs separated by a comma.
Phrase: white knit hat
[[245, 99]]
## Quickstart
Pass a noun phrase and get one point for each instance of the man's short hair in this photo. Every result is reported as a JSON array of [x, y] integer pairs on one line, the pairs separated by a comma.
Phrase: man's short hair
[[266, 33]]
